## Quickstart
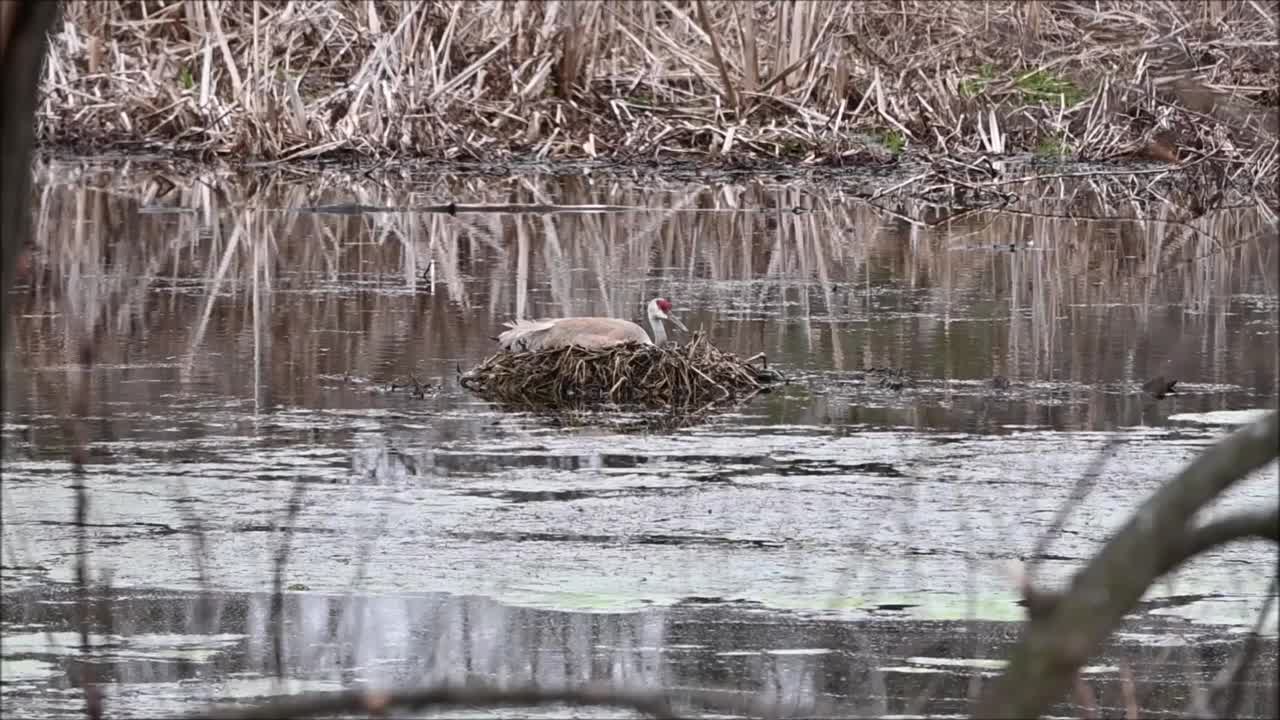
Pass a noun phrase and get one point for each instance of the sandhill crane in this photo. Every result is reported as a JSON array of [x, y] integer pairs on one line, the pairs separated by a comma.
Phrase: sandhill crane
[[590, 332]]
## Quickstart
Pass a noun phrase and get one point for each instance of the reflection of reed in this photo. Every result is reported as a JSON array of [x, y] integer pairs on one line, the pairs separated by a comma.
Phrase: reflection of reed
[[455, 640], [800, 664], [835, 285]]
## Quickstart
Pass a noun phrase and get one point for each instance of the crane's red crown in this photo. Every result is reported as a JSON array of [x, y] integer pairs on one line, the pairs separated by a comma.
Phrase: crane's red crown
[[664, 305]]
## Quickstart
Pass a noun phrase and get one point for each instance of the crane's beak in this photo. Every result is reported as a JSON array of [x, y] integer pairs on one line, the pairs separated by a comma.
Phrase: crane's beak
[[676, 321]]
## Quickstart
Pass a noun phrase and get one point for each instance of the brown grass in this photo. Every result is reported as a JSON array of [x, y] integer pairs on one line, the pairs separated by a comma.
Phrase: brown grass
[[819, 82], [689, 378]]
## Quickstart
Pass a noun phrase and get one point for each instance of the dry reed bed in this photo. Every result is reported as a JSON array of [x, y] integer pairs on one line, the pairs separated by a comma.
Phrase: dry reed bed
[[820, 82], [693, 377]]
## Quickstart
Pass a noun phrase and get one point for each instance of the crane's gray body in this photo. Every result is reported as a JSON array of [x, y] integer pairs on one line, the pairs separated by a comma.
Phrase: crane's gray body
[[588, 332]]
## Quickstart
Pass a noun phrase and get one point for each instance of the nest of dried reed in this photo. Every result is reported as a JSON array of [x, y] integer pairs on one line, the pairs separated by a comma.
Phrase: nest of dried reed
[[693, 377]]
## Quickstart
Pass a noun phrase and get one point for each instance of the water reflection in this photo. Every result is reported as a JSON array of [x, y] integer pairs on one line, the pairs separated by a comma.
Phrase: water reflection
[[162, 646], [241, 347], [240, 297]]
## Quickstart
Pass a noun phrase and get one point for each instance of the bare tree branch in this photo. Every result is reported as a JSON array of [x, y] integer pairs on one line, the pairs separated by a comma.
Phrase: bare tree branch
[[1054, 648], [1258, 525], [24, 28]]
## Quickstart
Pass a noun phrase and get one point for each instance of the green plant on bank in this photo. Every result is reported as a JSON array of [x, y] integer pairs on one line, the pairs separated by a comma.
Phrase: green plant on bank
[[974, 86], [792, 147], [1054, 147], [893, 141], [1039, 85], [1035, 86]]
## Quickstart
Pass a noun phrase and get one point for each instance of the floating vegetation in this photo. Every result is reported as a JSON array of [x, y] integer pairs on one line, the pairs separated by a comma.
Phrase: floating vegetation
[[409, 384], [691, 378]]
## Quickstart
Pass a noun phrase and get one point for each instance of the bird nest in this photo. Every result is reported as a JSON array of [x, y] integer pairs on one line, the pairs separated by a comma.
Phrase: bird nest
[[693, 377]]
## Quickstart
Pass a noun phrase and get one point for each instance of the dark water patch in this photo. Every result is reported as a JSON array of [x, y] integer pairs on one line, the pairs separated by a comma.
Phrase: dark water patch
[[639, 539], [713, 600], [481, 463], [1173, 601], [683, 466], [157, 529], [819, 468], [894, 607], [1051, 556], [782, 466], [283, 530], [551, 495]]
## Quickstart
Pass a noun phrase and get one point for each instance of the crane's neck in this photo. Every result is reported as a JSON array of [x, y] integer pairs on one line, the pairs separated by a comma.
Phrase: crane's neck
[[659, 332]]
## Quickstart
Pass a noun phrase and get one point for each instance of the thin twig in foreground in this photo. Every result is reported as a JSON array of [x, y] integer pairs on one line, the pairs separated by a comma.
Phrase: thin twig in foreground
[[277, 579], [1084, 485], [1224, 693], [200, 555], [74, 429]]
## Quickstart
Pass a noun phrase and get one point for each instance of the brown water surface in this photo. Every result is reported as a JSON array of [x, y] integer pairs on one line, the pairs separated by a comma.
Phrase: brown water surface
[[834, 544]]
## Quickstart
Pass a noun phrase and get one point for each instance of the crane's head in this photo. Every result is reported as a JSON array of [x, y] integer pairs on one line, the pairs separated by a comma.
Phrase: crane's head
[[660, 309]]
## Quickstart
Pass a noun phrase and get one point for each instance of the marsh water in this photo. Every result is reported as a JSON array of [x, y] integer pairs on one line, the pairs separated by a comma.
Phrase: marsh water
[[833, 544]]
